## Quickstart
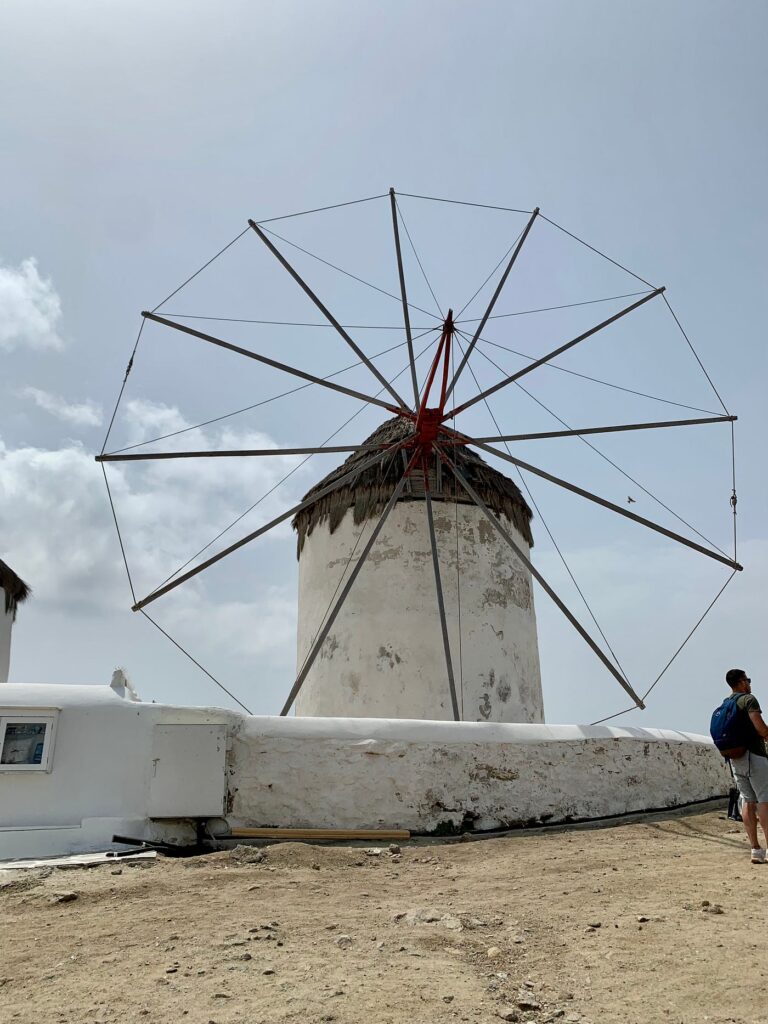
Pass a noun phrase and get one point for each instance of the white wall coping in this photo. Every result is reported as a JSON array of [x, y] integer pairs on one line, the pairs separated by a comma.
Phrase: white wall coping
[[59, 695], [64, 695], [452, 732]]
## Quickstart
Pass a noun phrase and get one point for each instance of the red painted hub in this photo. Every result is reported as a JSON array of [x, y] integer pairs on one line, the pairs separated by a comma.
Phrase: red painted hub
[[428, 427], [429, 419]]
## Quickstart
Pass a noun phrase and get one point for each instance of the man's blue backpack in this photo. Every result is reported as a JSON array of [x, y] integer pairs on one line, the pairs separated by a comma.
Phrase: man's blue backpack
[[729, 728]]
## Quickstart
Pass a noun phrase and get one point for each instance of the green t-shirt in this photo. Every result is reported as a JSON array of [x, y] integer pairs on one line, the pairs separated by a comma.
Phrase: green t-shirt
[[748, 702]]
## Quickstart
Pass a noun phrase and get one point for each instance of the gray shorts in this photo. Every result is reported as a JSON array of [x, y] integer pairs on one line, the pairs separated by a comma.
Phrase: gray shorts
[[751, 773]]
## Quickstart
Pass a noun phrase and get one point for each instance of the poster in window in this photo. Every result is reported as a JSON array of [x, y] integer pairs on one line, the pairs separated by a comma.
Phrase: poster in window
[[23, 743]]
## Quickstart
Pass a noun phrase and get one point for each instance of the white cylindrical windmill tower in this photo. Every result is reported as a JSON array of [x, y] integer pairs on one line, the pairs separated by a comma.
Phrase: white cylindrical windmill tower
[[384, 656], [13, 591]]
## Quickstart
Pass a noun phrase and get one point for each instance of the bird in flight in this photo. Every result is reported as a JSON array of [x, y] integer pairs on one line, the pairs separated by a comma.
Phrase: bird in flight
[[630, 501]]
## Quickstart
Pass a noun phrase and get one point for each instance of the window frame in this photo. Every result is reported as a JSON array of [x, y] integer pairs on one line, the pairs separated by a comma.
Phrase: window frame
[[28, 716]]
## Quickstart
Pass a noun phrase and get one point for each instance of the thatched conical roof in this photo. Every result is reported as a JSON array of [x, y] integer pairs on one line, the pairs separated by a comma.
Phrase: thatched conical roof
[[16, 590], [368, 493]]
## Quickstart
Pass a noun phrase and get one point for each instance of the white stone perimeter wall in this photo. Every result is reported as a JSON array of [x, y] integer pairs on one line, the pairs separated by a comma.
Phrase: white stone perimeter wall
[[384, 656], [443, 777], [121, 767]]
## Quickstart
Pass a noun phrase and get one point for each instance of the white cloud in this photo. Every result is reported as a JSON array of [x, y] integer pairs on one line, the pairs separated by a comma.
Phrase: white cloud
[[30, 308], [81, 414], [57, 531], [250, 628]]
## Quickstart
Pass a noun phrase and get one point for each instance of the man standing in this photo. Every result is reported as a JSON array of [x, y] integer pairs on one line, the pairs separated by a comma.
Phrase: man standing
[[751, 768]]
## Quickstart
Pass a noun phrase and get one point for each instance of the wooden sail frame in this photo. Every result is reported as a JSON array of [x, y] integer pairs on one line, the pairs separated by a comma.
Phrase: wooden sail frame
[[429, 437]]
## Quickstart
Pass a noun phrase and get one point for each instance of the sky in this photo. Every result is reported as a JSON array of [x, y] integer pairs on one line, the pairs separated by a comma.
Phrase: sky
[[136, 140]]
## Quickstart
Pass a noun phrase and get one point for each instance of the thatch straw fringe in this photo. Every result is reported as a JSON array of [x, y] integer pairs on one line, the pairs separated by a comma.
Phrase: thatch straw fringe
[[368, 493], [16, 590]]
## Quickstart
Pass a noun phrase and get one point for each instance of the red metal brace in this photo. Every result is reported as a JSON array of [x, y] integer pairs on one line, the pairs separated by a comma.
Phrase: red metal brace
[[429, 418]]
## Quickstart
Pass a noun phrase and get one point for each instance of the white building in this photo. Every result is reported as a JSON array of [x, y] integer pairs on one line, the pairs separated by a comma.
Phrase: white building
[[13, 591], [80, 764], [384, 657]]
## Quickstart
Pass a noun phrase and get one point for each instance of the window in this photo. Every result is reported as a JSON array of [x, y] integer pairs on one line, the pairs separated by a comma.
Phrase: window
[[26, 742]]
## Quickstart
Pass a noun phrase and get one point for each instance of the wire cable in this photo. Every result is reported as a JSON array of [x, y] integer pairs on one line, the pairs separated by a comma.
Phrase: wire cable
[[485, 282], [204, 266], [418, 260], [322, 209], [194, 661], [597, 251], [734, 498], [544, 309], [128, 369], [695, 353], [459, 202], [347, 273], [294, 323], [597, 380], [119, 534], [618, 714], [709, 608]]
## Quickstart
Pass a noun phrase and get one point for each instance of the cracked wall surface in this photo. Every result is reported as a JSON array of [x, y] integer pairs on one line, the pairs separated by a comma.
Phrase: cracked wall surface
[[446, 777], [384, 656]]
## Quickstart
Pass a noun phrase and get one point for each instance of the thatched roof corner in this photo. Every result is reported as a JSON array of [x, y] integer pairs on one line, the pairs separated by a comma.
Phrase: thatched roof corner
[[16, 590], [368, 493]]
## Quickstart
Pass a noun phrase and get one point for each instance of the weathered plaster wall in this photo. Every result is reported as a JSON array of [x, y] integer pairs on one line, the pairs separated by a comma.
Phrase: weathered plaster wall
[[384, 655], [6, 624], [113, 758], [432, 775]]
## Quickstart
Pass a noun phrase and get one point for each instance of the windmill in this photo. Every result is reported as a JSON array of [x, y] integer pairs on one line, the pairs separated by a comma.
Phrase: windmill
[[423, 453]]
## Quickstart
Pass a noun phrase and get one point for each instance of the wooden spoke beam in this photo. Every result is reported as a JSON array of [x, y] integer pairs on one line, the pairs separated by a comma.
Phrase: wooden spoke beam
[[243, 453], [551, 355], [361, 467], [440, 600], [406, 314], [327, 314], [607, 504], [326, 627], [542, 582], [272, 362], [592, 430], [492, 303]]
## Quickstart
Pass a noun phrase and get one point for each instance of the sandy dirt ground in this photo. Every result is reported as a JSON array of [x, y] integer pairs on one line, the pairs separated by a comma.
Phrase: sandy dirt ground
[[658, 920]]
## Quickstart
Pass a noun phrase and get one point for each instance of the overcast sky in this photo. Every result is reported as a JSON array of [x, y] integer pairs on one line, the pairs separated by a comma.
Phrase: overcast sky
[[135, 141]]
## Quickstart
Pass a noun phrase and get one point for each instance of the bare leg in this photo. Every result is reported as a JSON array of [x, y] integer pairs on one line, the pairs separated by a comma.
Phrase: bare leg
[[762, 813], [749, 817]]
